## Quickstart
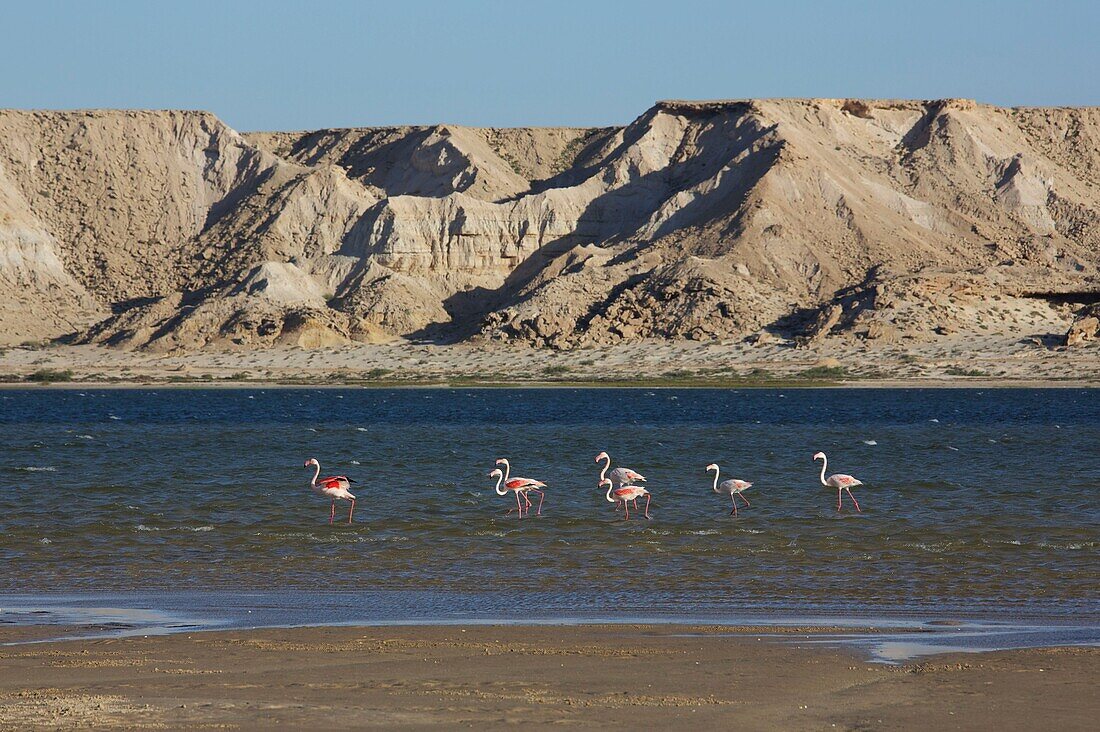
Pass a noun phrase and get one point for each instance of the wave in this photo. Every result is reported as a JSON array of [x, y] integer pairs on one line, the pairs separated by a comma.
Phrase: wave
[[938, 547], [38, 469], [1071, 546], [1057, 546]]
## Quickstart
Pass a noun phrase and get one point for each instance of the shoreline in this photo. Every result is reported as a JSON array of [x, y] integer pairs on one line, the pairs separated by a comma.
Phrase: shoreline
[[494, 676], [520, 384], [879, 634], [987, 362]]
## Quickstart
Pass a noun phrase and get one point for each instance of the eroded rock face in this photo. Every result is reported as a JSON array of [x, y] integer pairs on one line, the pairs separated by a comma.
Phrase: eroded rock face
[[38, 297], [1085, 328], [699, 220]]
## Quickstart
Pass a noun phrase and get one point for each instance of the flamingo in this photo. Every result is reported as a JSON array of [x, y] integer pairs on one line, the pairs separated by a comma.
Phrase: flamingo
[[513, 485], [627, 493], [839, 481], [334, 486], [621, 476], [618, 475], [733, 486], [523, 484]]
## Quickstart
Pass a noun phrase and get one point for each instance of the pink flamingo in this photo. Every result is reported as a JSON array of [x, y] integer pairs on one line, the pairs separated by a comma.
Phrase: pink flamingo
[[523, 485], [512, 485], [839, 481], [733, 486], [334, 486], [627, 493], [619, 476]]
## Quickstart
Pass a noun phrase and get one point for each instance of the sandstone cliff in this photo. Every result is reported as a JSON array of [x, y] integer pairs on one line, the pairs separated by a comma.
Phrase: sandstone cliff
[[811, 219]]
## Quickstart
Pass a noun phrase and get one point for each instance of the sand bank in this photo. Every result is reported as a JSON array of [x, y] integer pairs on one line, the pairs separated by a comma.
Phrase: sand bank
[[492, 677], [994, 361]]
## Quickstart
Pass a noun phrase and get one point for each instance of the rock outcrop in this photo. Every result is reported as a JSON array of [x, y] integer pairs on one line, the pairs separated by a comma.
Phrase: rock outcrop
[[806, 219], [1085, 328]]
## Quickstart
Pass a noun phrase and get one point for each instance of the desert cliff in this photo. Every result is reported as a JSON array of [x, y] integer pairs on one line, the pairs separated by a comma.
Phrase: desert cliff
[[798, 220]]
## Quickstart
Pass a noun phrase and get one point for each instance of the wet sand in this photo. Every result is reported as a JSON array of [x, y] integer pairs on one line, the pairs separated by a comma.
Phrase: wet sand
[[489, 677]]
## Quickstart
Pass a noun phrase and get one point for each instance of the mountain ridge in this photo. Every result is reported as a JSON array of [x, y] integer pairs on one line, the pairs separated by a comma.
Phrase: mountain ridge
[[802, 219]]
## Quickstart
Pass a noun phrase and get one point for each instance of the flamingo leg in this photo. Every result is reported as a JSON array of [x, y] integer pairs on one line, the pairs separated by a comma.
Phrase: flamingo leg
[[635, 504], [839, 493], [332, 513], [519, 505], [734, 511], [542, 496], [351, 510], [744, 499], [626, 507], [860, 510], [647, 499]]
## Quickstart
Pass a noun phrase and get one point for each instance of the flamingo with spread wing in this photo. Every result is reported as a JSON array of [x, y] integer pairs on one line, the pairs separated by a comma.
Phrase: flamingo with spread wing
[[334, 487]]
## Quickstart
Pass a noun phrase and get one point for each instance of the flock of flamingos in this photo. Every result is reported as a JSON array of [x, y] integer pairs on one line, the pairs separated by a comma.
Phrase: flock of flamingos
[[620, 482]]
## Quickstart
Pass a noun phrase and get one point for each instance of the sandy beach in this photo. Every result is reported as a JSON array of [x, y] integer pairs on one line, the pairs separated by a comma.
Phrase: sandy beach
[[492, 677]]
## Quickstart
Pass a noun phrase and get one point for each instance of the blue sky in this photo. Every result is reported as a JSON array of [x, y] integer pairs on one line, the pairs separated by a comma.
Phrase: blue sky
[[301, 65]]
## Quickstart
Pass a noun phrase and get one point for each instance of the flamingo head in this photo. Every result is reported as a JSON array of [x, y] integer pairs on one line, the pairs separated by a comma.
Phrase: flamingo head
[[602, 456], [606, 482], [819, 456], [496, 474], [712, 466], [310, 462], [502, 461]]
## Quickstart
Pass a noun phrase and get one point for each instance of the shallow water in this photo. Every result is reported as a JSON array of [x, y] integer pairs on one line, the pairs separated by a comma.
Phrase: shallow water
[[977, 503]]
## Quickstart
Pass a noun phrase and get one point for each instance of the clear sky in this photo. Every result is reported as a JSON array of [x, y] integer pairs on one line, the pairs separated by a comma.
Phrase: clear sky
[[328, 63]]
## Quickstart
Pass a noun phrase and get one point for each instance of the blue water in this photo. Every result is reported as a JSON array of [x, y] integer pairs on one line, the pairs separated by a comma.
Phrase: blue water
[[978, 504]]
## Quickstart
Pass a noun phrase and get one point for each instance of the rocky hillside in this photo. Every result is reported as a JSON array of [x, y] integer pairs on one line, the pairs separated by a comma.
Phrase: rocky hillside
[[798, 219]]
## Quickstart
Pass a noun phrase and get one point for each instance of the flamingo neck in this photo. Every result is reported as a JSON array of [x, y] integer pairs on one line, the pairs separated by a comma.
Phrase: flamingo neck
[[824, 462], [316, 473], [609, 489], [507, 471], [498, 490], [603, 470], [716, 472]]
